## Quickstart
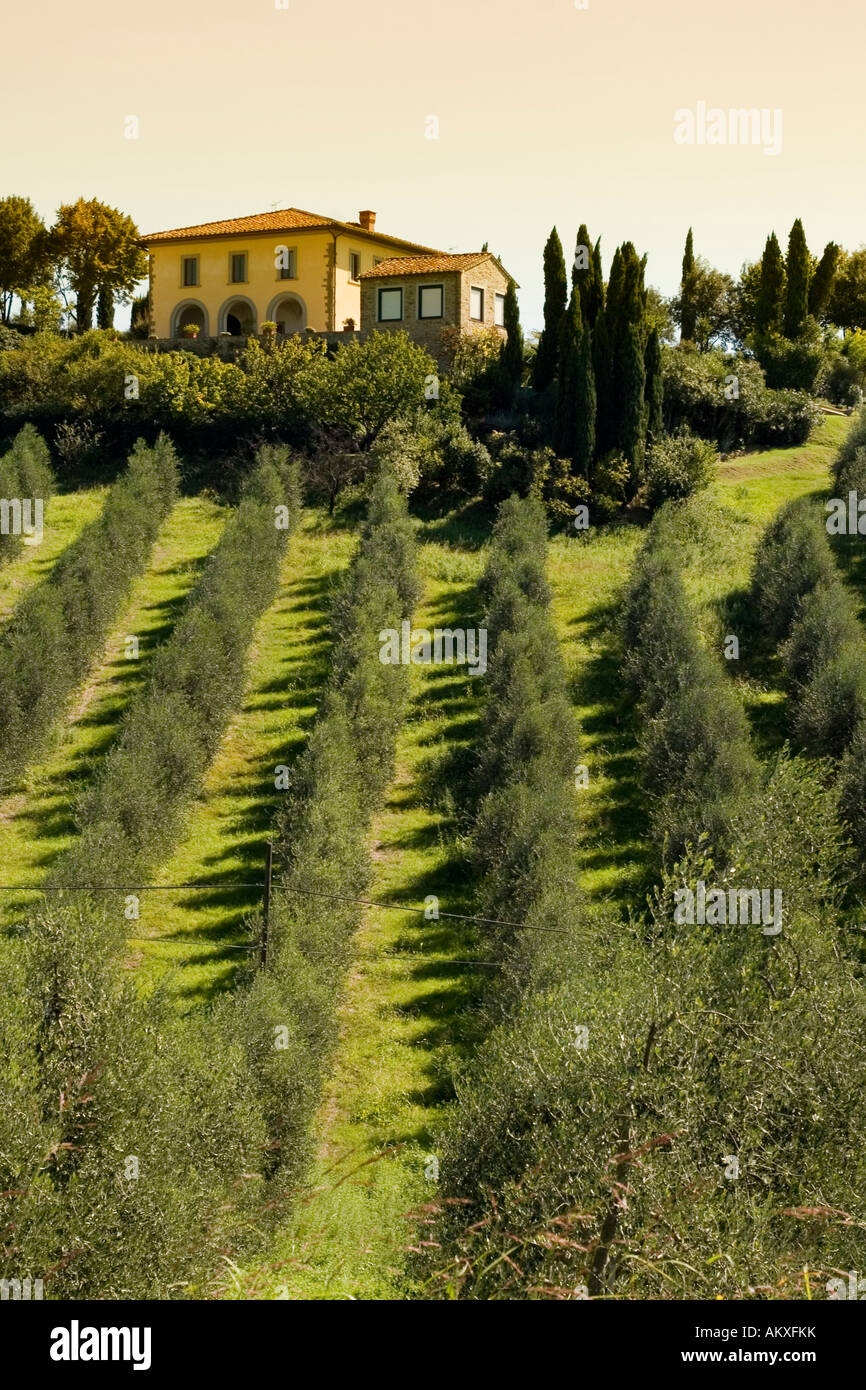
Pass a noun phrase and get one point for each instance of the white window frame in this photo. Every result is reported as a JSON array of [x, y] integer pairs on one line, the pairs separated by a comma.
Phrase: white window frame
[[354, 256], [441, 289], [499, 309], [389, 289], [479, 290]]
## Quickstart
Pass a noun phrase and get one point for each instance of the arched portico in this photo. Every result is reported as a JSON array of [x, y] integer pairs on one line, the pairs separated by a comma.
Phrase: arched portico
[[187, 312], [289, 312], [237, 316]]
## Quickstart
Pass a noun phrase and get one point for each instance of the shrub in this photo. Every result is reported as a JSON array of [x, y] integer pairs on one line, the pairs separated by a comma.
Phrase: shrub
[[697, 765], [849, 468], [792, 558], [791, 364], [25, 474], [678, 465], [723, 397]]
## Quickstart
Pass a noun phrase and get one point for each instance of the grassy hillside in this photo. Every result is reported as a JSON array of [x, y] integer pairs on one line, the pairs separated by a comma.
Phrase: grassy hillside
[[407, 1016]]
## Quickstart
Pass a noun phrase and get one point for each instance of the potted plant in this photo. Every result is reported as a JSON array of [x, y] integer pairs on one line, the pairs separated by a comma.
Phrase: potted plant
[[190, 330], [269, 330], [348, 325]]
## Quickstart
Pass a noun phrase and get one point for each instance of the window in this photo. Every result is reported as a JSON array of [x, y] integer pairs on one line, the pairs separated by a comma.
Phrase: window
[[430, 301], [390, 305], [499, 310], [189, 270], [288, 267], [238, 268], [476, 303], [354, 264]]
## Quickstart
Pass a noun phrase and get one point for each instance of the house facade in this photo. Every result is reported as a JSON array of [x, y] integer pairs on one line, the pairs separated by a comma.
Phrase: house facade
[[293, 268], [424, 294]]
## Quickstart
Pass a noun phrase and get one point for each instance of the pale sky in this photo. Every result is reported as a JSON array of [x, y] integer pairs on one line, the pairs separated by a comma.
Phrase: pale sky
[[547, 114]]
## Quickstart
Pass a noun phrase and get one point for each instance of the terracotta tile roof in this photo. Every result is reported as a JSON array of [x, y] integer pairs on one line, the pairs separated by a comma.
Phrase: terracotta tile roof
[[433, 264], [426, 265], [286, 220]]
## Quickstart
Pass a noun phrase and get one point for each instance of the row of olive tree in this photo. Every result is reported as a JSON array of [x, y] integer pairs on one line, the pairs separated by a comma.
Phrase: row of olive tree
[[26, 485], [122, 1127], [59, 627], [644, 1122]]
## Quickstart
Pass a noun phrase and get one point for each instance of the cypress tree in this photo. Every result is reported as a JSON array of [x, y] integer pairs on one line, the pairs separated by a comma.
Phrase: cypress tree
[[771, 288], [105, 308], [797, 282], [555, 297], [588, 280], [822, 281], [633, 415], [604, 418], [511, 352], [614, 298], [596, 300], [654, 386], [565, 427], [585, 405], [688, 311]]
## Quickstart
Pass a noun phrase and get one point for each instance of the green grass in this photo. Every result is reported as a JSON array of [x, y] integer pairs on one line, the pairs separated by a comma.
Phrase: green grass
[[65, 518], [193, 941], [407, 1012], [36, 816]]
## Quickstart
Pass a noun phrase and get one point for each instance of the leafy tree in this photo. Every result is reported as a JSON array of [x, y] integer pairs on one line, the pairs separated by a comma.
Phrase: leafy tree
[[745, 299], [368, 384], [821, 285], [706, 306], [688, 313], [847, 305], [42, 308], [798, 274], [555, 297], [659, 315], [511, 355], [98, 250], [23, 252], [771, 289]]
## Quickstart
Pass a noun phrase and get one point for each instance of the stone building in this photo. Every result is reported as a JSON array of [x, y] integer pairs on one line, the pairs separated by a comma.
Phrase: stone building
[[422, 295]]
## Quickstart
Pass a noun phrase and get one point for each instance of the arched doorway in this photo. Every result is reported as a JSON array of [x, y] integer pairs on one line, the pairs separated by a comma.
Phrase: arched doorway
[[238, 317], [189, 313], [289, 313]]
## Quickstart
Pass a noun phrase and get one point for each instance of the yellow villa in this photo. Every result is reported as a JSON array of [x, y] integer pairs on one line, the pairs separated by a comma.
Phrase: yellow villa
[[293, 268]]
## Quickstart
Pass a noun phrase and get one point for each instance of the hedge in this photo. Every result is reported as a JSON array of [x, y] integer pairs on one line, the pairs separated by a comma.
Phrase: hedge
[[58, 628]]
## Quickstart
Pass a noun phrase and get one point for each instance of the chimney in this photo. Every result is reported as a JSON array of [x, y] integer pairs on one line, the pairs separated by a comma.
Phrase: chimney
[[367, 220]]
